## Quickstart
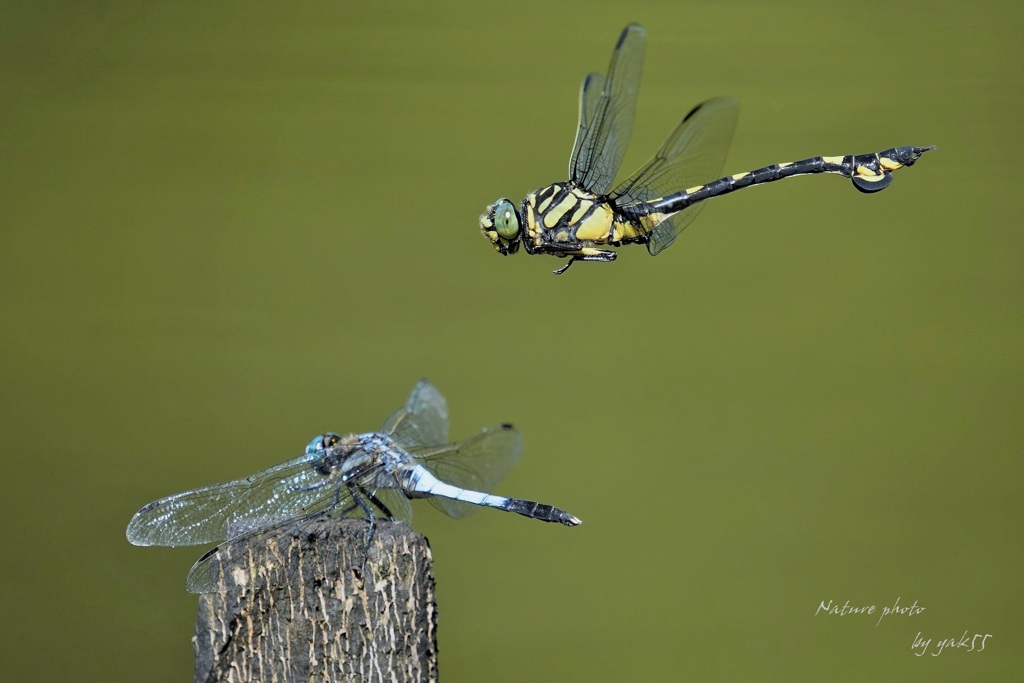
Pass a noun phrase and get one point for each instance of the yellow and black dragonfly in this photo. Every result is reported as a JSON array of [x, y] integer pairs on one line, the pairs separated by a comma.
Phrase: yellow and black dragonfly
[[572, 219]]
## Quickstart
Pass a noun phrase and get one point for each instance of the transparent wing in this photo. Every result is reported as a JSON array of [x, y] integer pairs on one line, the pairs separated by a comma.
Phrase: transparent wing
[[422, 421], [590, 96], [221, 511], [395, 503], [477, 463], [206, 573], [693, 155], [607, 108]]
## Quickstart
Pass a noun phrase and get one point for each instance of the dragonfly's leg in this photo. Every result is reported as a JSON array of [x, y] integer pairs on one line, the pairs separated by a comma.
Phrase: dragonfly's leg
[[587, 254], [359, 495], [380, 505], [564, 268], [358, 500]]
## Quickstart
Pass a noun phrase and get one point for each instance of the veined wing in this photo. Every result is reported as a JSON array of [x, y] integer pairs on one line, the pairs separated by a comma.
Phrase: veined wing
[[339, 501], [221, 511], [422, 421], [477, 463], [694, 154], [206, 573], [590, 96], [607, 108]]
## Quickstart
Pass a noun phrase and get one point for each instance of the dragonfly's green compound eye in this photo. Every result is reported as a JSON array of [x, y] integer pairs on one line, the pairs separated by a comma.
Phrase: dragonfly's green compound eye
[[500, 224], [506, 220]]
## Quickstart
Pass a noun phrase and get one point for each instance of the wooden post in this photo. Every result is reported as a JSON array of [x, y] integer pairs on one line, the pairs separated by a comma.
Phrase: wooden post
[[299, 607]]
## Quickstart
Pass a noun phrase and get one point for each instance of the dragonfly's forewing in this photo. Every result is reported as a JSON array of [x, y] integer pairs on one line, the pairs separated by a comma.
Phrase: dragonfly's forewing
[[477, 464], [338, 501], [422, 421], [607, 110], [590, 97], [220, 511]]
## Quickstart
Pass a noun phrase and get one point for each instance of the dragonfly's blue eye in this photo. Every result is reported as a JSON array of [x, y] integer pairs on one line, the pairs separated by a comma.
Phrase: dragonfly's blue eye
[[322, 442], [506, 220]]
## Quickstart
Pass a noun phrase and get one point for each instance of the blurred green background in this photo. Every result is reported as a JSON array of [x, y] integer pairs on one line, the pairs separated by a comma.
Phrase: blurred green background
[[226, 229]]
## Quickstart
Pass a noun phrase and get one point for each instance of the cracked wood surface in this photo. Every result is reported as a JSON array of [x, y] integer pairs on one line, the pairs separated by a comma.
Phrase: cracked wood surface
[[318, 605]]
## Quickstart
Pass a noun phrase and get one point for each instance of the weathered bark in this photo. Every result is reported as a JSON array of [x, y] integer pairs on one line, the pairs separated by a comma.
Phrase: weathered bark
[[301, 608]]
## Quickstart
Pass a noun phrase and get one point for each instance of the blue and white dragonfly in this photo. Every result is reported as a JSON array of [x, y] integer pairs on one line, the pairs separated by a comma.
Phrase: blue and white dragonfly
[[367, 475]]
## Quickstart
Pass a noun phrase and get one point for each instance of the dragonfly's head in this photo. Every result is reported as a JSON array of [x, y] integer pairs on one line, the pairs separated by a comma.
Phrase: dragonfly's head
[[323, 442], [503, 226]]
